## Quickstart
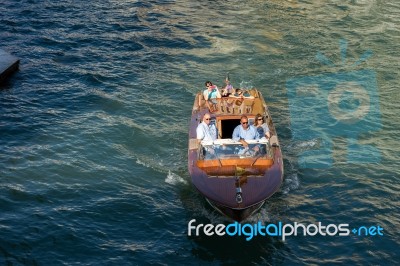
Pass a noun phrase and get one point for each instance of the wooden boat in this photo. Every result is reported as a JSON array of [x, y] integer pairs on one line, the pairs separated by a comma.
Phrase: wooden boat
[[234, 182]]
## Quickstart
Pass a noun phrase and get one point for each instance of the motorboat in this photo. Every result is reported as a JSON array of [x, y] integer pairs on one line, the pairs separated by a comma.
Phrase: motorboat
[[234, 179]]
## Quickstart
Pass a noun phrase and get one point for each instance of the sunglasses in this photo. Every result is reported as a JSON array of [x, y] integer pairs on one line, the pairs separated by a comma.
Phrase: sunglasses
[[259, 119], [206, 118], [243, 123]]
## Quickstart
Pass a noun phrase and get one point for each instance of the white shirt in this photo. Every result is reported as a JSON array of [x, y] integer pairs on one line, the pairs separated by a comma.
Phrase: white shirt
[[246, 134], [205, 132]]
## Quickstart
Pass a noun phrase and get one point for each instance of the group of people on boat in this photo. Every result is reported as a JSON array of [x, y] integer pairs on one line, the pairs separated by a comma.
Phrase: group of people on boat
[[212, 95], [207, 131]]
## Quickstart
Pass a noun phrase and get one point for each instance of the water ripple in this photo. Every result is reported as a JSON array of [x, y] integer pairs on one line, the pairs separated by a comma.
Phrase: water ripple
[[94, 129]]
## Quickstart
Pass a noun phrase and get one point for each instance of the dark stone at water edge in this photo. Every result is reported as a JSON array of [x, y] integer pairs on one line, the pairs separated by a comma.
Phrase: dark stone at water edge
[[8, 65]]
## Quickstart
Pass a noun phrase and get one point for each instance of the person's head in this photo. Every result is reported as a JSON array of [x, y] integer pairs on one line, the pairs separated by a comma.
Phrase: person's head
[[244, 121], [208, 84], [227, 82], [207, 118], [259, 120], [239, 91]]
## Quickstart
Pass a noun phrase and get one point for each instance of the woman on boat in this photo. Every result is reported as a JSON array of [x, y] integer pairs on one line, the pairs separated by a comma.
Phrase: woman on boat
[[226, 92], [261, 126], [228, 89], [211, 94]]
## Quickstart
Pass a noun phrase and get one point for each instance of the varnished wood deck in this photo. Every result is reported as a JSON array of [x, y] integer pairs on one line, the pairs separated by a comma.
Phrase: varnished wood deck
[[234, 105]]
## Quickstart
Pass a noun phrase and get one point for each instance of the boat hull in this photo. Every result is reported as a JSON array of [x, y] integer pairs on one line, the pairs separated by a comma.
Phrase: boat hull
[[236, 214]]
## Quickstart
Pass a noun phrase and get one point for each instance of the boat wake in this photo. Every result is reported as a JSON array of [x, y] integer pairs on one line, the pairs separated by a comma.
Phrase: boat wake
[[291, 182], [138, 161], [261, 215], [308, 144], [174, 179], [157, 165]]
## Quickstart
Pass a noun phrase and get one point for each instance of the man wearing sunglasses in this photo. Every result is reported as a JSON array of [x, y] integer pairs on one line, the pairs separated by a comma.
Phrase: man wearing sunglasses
[[205, 131], [244, 132]]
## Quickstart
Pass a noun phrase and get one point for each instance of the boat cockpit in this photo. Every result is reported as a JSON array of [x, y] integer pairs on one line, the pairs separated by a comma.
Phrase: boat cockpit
[[230, 149]]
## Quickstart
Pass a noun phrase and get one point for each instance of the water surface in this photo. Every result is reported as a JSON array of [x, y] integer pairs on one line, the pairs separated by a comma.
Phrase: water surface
[[93, 162]]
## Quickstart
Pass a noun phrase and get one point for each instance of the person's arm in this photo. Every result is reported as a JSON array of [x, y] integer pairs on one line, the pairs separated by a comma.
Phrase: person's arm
[[266, 131], [257, 136], [236, 134], [206, 93], [213, 132], [244, 143], [218, 93], [200, 133]]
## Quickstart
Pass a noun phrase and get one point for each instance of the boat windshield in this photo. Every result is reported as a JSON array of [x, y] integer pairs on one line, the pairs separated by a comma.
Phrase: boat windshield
[[227, 148]]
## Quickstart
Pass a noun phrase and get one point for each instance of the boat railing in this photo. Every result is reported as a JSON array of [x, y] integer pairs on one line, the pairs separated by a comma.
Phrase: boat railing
[[229, 105]]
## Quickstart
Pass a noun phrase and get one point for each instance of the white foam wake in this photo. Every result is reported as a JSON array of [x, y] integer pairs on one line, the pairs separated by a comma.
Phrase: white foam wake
[[291, 183], [174, 179]]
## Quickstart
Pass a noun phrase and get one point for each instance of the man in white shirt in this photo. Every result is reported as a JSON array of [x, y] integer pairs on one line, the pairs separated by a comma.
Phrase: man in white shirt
[[244, 132], [205, 131]]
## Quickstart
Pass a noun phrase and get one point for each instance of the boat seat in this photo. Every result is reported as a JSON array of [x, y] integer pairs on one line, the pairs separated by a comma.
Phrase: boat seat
[[244, 106], [248, 105]]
